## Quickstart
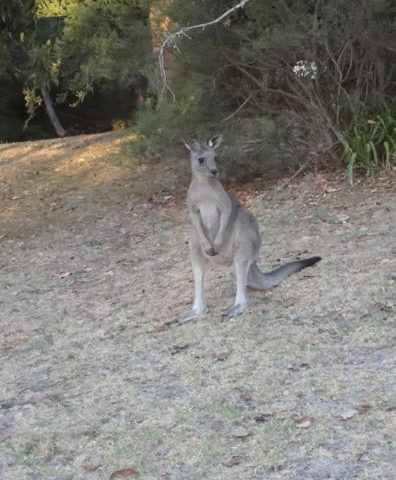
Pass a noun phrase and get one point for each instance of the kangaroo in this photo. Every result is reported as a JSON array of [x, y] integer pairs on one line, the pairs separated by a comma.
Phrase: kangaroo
[[224, 232]]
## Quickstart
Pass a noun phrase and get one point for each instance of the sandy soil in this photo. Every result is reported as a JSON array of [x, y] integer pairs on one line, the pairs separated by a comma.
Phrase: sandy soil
[[93, 252]]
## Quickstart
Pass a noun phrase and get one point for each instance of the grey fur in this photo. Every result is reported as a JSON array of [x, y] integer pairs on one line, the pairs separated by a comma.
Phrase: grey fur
[[224, 232]]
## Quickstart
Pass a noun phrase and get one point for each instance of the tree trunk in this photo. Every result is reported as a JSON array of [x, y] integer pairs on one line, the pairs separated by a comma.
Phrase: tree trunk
[[60, 131]]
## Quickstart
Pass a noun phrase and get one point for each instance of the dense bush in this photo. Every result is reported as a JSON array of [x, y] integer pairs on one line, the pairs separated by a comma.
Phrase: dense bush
[[371, 147], [61, 52], [287, 82]]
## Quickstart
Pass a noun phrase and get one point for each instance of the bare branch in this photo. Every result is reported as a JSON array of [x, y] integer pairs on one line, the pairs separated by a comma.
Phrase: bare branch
[[238, 109], [171, 40]]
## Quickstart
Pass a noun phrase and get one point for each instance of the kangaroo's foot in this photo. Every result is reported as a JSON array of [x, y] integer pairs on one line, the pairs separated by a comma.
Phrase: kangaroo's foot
[[234, 311], [188, 315]]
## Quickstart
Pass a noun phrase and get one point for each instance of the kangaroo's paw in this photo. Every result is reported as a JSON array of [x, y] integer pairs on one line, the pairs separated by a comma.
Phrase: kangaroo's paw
[[234, 311], [188, 315]]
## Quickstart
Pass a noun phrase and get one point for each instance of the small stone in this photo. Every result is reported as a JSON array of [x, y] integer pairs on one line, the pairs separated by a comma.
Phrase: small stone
[[304, 422], [342, 218], [349, 414]]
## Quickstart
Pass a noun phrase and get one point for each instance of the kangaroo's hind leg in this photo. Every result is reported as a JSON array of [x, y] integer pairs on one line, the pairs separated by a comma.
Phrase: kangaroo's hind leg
[[247, 245], [241, 272], [198, 262]]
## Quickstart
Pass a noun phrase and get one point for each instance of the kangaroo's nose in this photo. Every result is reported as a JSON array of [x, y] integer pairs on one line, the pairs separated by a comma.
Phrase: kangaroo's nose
[[213, 172]]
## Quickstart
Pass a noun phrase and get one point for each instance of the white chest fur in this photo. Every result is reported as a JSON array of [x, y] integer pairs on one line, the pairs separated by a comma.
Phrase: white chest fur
[[210, 218]]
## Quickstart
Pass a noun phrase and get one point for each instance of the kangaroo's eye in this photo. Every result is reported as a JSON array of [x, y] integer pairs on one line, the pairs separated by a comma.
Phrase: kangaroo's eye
[[201, 160]]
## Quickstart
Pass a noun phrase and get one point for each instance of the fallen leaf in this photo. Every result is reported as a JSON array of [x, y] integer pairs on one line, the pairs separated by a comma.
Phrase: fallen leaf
[[331, 189], [296, 366], [178, 348], [233, 461], [263, 417], [304, 422], [124, 473], [160, 326], [90, 467], [16, 340], [362, 408], [64, 274], [238, 432]]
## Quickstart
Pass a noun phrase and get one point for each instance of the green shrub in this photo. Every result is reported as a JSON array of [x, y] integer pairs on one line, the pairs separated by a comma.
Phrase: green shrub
[[164, 126], [372, 147]]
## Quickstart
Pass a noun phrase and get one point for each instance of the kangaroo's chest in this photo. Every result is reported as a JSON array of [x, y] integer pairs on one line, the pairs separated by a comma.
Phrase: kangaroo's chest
[[209, 213], [210, 202]]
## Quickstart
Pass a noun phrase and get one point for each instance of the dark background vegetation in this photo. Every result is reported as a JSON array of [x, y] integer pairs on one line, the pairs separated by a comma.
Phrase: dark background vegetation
[[291, 84]]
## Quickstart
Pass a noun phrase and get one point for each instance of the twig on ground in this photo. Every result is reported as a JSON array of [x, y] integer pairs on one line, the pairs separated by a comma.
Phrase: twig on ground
[[303, 166], [310, 160]]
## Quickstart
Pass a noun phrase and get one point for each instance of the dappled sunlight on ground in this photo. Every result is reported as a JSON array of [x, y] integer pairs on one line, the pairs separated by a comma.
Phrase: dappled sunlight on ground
[[41, 178], [64, 156], [92, 157]]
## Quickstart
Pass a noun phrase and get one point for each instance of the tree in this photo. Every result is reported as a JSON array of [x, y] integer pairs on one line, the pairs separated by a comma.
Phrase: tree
[[63, 50]]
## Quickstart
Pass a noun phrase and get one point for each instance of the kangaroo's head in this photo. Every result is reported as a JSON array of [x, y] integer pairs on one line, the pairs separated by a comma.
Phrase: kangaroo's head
[[203, 156]]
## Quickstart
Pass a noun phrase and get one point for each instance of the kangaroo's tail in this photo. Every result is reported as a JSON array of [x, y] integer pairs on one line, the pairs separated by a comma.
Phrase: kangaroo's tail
[[264, 281]]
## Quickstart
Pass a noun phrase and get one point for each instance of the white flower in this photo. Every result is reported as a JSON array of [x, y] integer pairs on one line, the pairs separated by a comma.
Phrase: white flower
[[305, 69]]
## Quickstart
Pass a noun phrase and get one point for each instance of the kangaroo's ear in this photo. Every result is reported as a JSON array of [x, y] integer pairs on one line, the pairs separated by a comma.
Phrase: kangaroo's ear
[[186, 145], [215, 141], [194, 147]]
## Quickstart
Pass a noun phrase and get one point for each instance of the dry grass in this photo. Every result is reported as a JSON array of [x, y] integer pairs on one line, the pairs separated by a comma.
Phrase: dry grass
[[89, 387]]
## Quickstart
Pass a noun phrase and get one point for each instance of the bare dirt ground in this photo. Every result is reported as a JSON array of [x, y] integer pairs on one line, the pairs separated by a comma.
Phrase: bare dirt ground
[[94, 252]]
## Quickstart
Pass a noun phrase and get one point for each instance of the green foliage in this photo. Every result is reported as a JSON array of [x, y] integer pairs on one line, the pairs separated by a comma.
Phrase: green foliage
[[104, 43], [327, 65], [72, 47], [15, 16], [32, 100], [371, 147], [53, 8], [170, 121]]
